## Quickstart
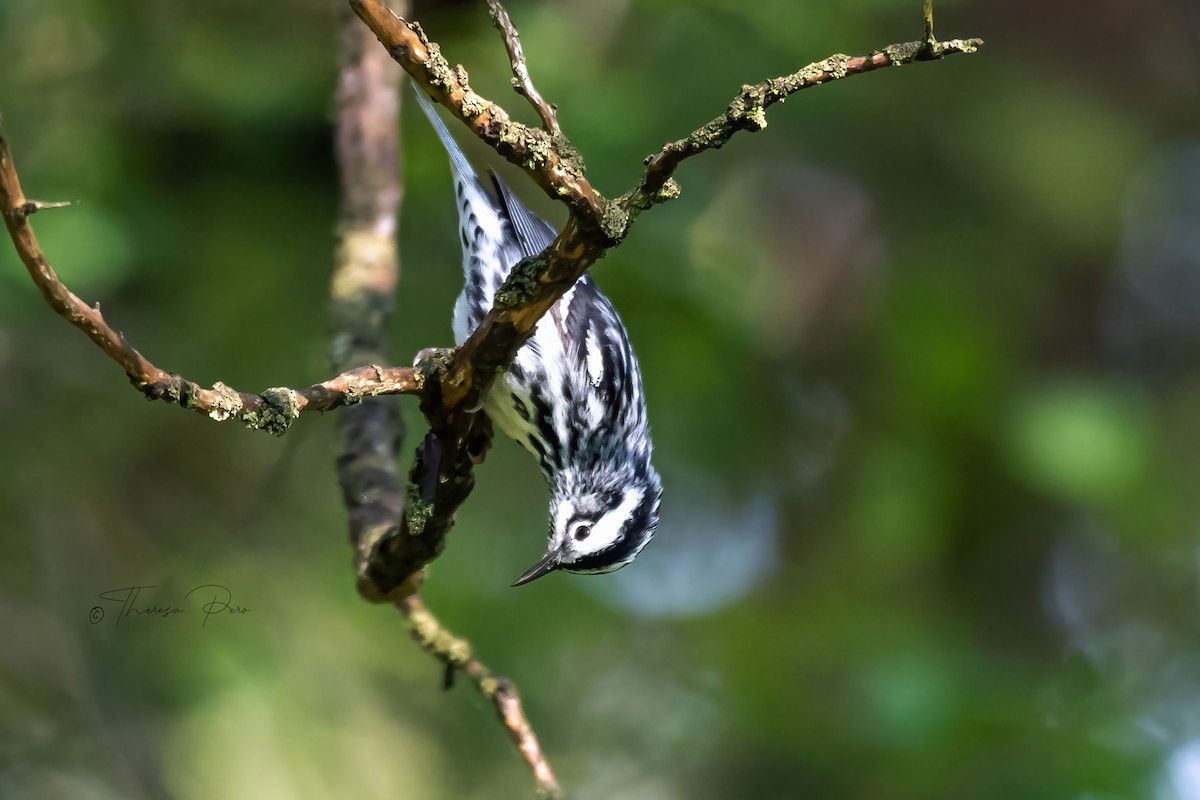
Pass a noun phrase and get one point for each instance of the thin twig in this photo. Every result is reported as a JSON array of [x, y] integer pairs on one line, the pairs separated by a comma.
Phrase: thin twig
[[522, 83], [31, 207], [272, 410], [457, 655], [930, 39], [557, 170], [746, 112]]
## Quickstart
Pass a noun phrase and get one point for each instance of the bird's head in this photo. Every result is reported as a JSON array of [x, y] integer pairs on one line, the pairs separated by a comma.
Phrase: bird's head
[[600, 519]]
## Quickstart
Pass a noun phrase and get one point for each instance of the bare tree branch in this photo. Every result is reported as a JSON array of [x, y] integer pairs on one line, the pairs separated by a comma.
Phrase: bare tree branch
[[397, 534], [442, 475], [365, 275], [930, 42], [272, 410], [396, 531], [522, 83], [457, 655], [746, 112], [557, 170]]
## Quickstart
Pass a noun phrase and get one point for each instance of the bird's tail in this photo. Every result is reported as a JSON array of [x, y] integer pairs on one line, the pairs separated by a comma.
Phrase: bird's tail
[[481, 230], [458, 160]]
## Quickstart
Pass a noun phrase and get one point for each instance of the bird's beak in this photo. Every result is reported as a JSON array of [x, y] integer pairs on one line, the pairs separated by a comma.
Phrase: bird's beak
[[548, 564]]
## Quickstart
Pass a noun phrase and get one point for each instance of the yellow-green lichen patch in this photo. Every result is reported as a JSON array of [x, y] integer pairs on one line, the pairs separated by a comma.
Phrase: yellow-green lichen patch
[[522, 283], [280, 408], [433, 361], [227, 403], [669, 191], [615, 222], [438, 69], [473, 105], [570, 160], [757, 118], [177, 391], [439, 640], [901, 54], [353, 395], [967, 46], [416, 511]]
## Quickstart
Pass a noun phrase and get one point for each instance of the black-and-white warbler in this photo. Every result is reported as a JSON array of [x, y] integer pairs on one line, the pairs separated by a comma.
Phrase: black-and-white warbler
[[572, 397]]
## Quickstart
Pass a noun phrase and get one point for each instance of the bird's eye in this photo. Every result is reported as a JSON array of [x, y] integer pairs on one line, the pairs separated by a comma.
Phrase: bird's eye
[[582, 532]]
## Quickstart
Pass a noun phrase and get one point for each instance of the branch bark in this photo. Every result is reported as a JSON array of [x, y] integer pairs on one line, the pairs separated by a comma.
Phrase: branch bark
[[557, 170], [747, 111], [522, 83], [272, 410], [442, 475], [365, 276], [451, 383], [396, 532], [456, 655]]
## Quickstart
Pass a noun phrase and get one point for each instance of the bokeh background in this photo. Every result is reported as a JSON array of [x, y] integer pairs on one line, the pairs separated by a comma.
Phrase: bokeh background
[[922, 367]]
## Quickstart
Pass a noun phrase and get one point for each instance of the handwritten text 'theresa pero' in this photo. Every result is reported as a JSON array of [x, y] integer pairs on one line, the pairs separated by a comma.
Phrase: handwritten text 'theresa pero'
[[206, 601]]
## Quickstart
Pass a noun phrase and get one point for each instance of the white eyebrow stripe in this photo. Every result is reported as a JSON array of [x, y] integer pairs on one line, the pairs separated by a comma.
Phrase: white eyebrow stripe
[[608, 528]]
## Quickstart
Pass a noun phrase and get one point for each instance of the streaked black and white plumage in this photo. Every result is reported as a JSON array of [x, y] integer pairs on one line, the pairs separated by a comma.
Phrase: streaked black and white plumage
[[573, 396]]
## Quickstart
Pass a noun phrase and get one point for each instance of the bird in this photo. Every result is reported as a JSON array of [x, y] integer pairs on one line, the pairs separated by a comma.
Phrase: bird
[[573, 395]]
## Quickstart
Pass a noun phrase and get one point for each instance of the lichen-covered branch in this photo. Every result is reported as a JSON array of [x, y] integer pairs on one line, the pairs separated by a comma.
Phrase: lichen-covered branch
[[396, 530], [272, 410], [457, 655], [558, 170], [394, 547], [365, 275], [442, 475], [522, 83], [747, 111]]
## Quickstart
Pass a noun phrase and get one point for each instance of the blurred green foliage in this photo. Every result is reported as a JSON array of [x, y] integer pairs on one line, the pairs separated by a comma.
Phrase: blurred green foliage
[[927, 428]]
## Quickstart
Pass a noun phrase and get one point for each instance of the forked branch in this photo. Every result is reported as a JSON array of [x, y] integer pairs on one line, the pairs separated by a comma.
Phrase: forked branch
[[522, 83], [452, 383], [365, 277], [442, 475], [398, 533], [557, 170], [747, 111]]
